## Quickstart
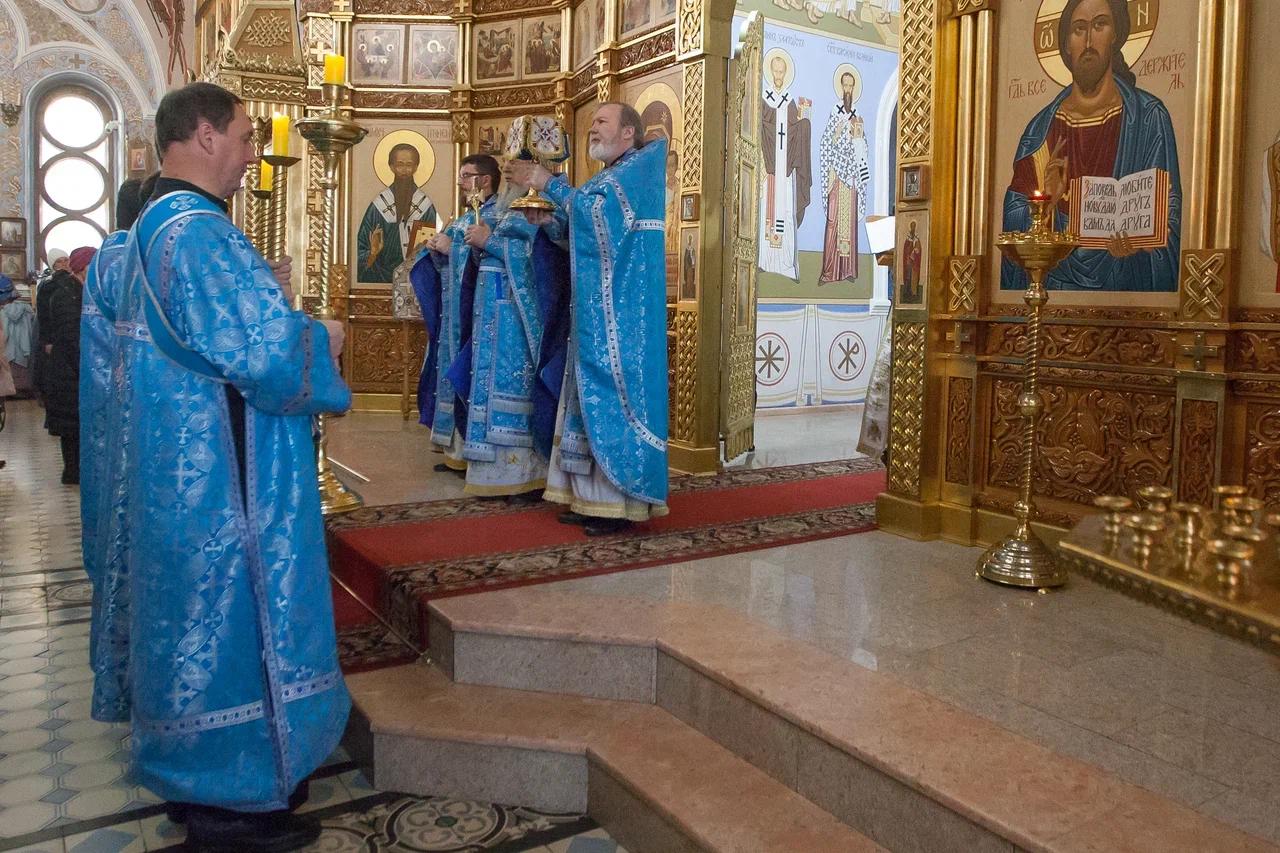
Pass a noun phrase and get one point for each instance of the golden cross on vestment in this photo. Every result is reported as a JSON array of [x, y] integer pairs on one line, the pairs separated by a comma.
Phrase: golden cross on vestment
[[1199, 351], [959, 336]]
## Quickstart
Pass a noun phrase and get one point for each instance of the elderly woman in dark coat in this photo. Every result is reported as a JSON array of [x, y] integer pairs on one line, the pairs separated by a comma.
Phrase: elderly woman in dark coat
[[61, 372]]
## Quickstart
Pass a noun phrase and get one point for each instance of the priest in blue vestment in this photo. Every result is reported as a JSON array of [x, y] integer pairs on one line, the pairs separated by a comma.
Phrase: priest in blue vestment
[[444, 280], [524, 271], [609, 464], [234, 690]]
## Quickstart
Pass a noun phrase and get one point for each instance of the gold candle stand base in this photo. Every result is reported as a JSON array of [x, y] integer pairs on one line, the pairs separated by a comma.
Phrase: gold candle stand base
[[1022, 560]]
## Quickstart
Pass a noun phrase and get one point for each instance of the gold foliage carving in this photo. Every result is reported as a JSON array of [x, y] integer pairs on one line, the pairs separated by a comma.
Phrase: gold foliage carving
[[1203, 282], [686, 375], [691, 155], [641, 52], [397, 7], [690, 26], [1255, 315], [401, 100], [1262, 458], [376, 359], [483, 7], [1256, 351], [907, 407], [261, 63], [1197, 447], [959, 426], [582, 81], [1080, 312], [1093, 344], [370, 307], [513, 97], [1087, 376], [1255, 388], [962, 284], [267, 30], [915, 103], [1093, 441]]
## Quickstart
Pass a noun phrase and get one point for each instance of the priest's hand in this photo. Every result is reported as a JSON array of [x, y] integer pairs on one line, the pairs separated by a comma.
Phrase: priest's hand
[[1120, 246], [283, 270], [337, 336], [440, 242], [478, 235], [537, 217], [527, 173]]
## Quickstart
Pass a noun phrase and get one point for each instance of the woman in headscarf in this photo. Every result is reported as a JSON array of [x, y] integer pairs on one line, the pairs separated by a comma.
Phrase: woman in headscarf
[[61, 328], [18, 321]]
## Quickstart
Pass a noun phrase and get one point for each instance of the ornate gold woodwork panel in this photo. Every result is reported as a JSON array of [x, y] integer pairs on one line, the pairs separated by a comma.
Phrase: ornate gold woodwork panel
[[1092, 440], [686, 411], [1203, 285], [959, 428], [963, 280], [1262, 455], [1111, 345], [907, 404], [915, 101], [1197, 451]]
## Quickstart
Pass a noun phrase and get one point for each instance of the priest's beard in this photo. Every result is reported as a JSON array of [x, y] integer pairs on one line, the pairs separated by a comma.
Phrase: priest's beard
[[1087, 71], [597, 151], [510, 192], [403, 190]]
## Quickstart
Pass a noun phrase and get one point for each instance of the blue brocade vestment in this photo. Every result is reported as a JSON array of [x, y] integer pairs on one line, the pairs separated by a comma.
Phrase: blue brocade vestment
[[234, 686], [618, 346]]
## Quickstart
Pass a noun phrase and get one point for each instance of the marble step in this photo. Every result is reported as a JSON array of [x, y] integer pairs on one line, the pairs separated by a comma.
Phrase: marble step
[[653, 782], [899, 766]]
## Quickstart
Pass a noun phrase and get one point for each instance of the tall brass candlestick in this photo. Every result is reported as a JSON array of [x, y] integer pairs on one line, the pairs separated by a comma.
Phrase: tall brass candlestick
[[277, 227], [331, 134], [255, 207], [1021, 559]]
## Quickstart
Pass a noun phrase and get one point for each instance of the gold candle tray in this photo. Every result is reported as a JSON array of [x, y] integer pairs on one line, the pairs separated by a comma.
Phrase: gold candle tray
[[1188, 581]]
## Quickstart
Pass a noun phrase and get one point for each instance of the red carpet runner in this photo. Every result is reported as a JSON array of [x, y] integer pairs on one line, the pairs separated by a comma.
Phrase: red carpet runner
[[397, 558]]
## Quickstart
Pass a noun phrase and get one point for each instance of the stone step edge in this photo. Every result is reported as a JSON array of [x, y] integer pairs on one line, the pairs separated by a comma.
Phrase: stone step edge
[[685, 824]]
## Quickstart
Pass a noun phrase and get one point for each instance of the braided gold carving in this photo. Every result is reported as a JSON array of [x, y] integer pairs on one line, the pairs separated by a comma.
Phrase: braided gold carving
[[462, 127], [1197, 447], [962, 284], [959, 426], [686, 375], [907, 410], [690, 26], [315, 220], [915, 103], [276, 91], [320, 40], [267, 30], [1204, 282], [694, 105]]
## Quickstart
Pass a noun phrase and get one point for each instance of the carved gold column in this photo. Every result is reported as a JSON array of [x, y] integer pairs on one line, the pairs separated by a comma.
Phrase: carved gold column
[[910, 507], [1205, 290], [703, 35]]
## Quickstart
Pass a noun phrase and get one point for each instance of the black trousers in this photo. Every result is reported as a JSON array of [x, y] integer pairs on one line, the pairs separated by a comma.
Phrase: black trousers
[[70, 457]]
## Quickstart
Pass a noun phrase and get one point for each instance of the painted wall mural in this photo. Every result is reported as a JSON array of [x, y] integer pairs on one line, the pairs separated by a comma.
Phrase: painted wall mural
[[827, 103]]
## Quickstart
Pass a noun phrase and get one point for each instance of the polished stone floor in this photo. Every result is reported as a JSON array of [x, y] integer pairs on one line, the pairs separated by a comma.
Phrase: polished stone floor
[[63, 785]]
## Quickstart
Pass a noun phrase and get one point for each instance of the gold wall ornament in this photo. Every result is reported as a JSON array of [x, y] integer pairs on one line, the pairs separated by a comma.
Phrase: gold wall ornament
[[691, 153], [1203, 285], [915, 100], [1021, 559], [959, 428], [960, 336], [686, 375], [963, 275], [690, 26], [907, 407], [1198, 442], [331, 134], [960, 8], [267, 30]]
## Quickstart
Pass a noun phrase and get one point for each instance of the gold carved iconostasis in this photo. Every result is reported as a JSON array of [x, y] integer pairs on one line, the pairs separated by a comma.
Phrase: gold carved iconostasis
[[1161, 343]]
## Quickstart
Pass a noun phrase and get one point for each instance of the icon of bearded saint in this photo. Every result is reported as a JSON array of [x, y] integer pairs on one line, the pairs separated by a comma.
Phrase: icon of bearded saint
[[386, 228], [1101, 125], [846, 182]]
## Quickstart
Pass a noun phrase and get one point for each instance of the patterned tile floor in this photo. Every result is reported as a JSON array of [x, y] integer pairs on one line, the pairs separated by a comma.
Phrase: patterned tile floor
[[63, 779]]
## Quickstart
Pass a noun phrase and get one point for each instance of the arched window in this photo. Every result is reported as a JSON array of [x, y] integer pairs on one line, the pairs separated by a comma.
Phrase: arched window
[[75, 170]]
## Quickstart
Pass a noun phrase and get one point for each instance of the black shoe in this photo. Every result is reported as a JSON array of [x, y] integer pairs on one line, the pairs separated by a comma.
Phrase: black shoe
[[176, 812], [213, 830], [524, 498], [605, 526], [441, 468], [571, 517]]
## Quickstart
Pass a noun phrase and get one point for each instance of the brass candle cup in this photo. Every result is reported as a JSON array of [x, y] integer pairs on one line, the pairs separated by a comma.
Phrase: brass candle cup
[[1231, 564], [1146, 526], [1222, 492], [1188, 525], [1155, 499], [1115, 506], [1244, 511]]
